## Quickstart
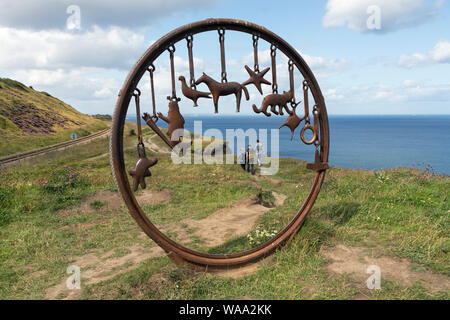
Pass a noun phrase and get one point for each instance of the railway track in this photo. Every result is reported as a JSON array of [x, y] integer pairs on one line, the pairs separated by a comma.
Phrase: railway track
[[9, 160]]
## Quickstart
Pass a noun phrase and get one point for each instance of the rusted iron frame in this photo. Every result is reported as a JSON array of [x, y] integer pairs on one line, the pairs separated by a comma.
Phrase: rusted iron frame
[[176, 251]]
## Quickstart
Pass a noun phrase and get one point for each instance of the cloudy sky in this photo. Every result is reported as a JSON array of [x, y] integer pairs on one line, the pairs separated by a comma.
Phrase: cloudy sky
[[397, 64]]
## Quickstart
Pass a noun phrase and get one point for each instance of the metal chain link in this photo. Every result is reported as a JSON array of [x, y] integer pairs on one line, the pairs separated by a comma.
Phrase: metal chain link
[[171, 50], [291, 80], [316, 125], [137, 94], [190, 40], [152, 69], [273, 54], [306, 101], [255, 52], [222, 54]]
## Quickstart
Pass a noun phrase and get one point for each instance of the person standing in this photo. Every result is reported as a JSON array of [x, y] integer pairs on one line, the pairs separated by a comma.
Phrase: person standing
[[259, 151], [242, 158], [250, 159]]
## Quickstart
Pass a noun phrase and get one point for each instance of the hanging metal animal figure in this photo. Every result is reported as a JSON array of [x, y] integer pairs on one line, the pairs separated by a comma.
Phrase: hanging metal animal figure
[[223, 89], [256, 78], [274, 100], [174, 119], [190, 93], [293, 120], [141, 171]]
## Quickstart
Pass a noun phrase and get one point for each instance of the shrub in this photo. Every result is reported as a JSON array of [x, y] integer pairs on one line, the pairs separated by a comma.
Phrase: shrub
[[266, 198]]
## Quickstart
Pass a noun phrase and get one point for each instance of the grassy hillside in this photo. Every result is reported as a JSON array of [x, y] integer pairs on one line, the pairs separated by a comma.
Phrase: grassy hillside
[[30, 119], [396, 219]]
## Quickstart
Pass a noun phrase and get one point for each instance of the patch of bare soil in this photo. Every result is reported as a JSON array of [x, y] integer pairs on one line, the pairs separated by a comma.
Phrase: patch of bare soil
[[95, 268], [273, 181], [230, 222], [240, 271], [111, 201], [354, 261], [148, 197], [226, 223]]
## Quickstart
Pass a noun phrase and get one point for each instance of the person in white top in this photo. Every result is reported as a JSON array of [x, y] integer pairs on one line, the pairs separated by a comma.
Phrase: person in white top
[[259, 151]]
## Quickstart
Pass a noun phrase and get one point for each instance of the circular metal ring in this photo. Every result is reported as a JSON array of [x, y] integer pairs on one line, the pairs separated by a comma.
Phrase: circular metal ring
[[302, 134], [175, 250]]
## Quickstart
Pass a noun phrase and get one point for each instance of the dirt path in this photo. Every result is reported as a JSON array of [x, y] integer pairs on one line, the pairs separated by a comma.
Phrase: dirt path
[[225, 224], [110, 201], [354, 261], [236, 220], [96, 268], [155, 147]]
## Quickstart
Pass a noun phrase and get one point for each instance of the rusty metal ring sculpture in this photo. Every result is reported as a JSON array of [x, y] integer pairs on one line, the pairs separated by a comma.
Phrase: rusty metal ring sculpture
[[176, 251]]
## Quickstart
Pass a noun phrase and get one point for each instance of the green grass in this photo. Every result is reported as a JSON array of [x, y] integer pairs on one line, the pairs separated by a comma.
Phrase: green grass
[[400, 213]]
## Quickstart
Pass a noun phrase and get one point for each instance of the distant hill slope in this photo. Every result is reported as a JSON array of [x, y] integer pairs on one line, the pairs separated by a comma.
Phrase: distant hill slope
[[31, 119]]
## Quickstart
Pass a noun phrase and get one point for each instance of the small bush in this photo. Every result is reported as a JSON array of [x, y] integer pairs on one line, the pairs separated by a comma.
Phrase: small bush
[[266, 198], [132, 132]]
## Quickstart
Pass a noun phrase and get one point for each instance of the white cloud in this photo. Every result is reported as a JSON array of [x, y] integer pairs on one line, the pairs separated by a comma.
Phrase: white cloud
[[406, 61], [407, 92], [103, 48], [395, 15], [323, 68], [51, 14], [80, 83], [439, 54]]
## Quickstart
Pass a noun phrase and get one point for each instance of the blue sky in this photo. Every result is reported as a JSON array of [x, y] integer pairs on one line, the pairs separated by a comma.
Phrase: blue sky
[[401, 68]]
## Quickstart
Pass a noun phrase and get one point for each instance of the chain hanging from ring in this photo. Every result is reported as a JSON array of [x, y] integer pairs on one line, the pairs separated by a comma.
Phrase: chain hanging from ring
[[137, 94], [255, 53], [306, 101], [273, 54], [171, 50], [151, 70], [291, 82], [189, 40], [221, 32], [307, 125], [316, 125]]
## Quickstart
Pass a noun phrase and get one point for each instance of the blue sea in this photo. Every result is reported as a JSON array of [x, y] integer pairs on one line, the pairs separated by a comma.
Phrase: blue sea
[[356, 142]]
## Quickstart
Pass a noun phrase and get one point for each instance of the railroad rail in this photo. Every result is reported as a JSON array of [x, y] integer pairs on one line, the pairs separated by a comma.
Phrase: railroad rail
[[9, 160]]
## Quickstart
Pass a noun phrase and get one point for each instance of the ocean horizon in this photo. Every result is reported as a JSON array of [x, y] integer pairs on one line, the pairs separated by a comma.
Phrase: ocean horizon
[[370, 142]]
